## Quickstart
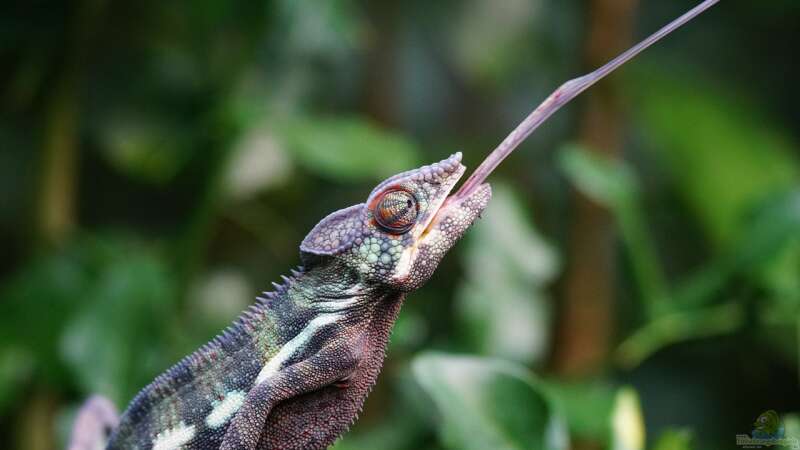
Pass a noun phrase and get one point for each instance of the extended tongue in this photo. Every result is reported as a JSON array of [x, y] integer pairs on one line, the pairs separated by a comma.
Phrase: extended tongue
[[562, 96]]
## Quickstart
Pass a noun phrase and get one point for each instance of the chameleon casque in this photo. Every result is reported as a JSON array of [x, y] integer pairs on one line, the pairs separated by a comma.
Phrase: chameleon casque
[[293, 371]]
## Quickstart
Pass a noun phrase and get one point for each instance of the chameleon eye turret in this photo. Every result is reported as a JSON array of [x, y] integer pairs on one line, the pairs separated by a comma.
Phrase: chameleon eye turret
[[396, 211]]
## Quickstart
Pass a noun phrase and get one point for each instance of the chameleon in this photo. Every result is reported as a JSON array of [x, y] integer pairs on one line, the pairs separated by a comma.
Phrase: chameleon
[[294, 369]]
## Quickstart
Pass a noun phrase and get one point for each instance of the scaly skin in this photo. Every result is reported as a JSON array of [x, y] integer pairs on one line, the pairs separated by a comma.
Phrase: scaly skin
[[294, 370]]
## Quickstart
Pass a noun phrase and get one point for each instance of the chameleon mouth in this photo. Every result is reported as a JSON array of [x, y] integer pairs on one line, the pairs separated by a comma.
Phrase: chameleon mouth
[[446, 202], [474, 183], [459, 171], [462, 195], [455, 201], [476, 180]]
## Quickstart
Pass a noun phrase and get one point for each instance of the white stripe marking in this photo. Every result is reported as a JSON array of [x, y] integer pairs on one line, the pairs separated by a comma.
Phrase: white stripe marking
[[225, 409], [274, 364], [403, 267], [174, 438], [333, 306]]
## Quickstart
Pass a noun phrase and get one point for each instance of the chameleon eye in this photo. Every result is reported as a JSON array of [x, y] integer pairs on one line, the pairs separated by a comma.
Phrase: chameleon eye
[[396, 211]]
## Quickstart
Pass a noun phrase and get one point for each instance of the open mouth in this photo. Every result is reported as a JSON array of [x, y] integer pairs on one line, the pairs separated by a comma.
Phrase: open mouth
[[474, 183], [442, 206], [454, 200]]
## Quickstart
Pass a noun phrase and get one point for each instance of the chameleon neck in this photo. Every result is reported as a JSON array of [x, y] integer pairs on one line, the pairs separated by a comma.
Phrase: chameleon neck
[[315, 420]]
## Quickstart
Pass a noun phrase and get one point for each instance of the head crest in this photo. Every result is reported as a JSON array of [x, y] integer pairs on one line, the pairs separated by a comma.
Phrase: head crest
[[335, 233]]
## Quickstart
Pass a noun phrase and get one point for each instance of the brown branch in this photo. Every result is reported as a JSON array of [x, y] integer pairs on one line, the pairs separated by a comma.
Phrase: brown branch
[[586, 316], [56, 204]]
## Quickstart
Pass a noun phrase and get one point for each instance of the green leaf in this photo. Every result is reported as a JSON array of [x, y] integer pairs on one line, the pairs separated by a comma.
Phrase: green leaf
[[773, 225], [771, 251], [679, 326], [488, 37], [598, 412], [679, 439], [39, 299], [722, 153], [146, 149], [612, 183], [98, 310], [115, 344], [507, 313], [587, 407], [348, 149], [329, 30], [15, 370], [488, 403], [770, 255], [605, 180]]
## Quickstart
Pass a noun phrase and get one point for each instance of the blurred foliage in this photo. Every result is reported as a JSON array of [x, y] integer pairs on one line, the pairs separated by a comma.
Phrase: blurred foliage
[[502, 307], [100, 290], [674, 440], [700, 128], [161, 162], [489, 404], [343, 149]]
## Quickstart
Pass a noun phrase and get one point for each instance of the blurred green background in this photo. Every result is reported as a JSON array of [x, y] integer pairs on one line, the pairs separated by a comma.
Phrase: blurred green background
[[634, 284]]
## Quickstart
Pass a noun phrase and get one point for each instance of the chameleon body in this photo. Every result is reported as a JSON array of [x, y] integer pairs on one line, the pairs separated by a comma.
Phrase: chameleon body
[[294, 370]]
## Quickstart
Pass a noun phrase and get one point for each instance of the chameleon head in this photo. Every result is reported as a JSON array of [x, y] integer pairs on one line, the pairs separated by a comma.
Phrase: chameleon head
[[408, 223]]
